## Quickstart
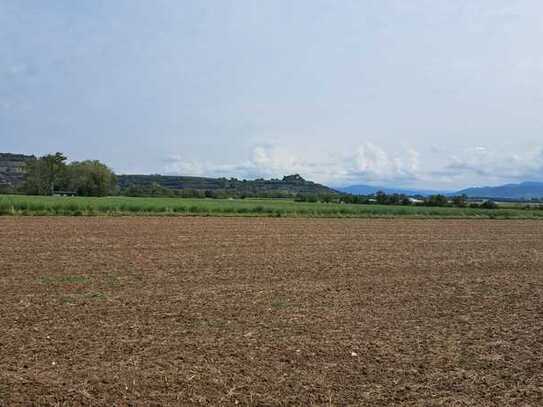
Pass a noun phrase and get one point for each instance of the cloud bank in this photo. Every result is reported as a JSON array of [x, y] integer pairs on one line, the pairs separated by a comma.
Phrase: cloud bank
[[372, 164]]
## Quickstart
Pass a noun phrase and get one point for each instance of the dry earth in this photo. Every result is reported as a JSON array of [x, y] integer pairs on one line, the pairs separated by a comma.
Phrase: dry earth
[[270, 312]]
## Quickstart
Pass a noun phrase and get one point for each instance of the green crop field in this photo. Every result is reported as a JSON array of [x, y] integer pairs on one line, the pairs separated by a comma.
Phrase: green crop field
[[81, 206]]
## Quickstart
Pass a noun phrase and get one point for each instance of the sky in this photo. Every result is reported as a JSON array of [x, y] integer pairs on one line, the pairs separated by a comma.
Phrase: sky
[[439, 94]]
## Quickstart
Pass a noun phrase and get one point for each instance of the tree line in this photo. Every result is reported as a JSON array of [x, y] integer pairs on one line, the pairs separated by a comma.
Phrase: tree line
[[51, 174], [156, 190], [381, 198]]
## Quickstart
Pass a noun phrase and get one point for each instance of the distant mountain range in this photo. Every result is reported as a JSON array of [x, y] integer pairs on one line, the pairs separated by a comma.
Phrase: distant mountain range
[[522, 191]]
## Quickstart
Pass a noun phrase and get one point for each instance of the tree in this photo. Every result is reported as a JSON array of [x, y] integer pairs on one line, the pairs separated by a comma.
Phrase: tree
[[459, 201], [489, 204], [91, 178], [381, 198], [43, 174], [55, 165], [306, 197], [6, 189], [437, 200], [34, 181]]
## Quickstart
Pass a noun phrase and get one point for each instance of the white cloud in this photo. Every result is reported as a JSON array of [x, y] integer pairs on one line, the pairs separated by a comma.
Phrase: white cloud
[[372, 164], [369, 163], [176, 164], [497, 165], [273, 161], [265, 161]]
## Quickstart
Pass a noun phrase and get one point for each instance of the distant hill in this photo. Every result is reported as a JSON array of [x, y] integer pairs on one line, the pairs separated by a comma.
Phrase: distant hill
[[370, 190], [12, 168], [522, 191], [289, 185]]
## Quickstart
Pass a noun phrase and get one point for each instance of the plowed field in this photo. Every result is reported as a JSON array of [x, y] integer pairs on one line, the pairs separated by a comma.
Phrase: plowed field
[[270, 312]]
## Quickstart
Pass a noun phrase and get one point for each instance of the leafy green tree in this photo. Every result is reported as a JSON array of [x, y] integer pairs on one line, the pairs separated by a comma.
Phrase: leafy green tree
[[55, 165], [381, 198], [153, 189], [437, 200], [6, 189], [43, 174], [459, 201], [327, 198], [91, 178], [489, 204], [34, 181], [306, 197]]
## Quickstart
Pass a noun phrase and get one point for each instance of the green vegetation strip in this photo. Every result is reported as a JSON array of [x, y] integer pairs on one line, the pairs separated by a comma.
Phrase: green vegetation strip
[[122, 206]]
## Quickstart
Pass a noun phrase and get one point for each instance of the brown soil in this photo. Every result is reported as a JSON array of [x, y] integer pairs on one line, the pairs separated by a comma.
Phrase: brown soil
[[270, 312]]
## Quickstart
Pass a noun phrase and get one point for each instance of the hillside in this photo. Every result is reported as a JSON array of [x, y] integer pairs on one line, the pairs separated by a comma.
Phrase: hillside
[[522, 191], [12, 168], [289, 185]]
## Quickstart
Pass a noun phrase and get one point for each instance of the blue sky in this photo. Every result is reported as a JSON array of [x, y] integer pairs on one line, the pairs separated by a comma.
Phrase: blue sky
[[420, 93]]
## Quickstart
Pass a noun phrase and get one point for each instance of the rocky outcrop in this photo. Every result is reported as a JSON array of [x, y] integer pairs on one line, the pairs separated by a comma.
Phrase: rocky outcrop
[[12, 168]]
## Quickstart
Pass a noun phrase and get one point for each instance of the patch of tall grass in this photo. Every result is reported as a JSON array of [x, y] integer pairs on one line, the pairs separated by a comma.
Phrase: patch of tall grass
[[122, 206]]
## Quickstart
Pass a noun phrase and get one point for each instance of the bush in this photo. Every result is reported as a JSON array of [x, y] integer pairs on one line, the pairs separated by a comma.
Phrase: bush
[[489, 204]]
